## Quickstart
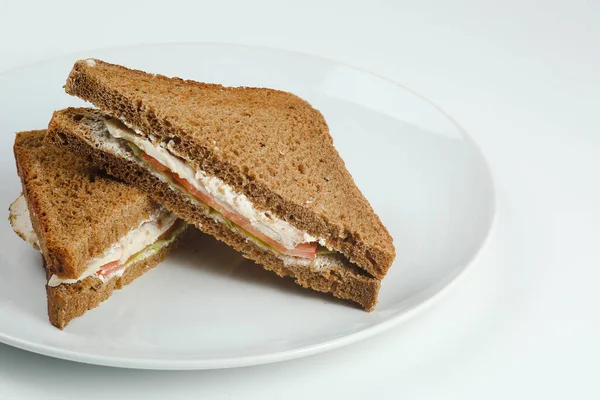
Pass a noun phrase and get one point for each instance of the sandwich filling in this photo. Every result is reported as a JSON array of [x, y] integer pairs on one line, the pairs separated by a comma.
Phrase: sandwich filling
[[221, 201], [139, 243], [21, 223]]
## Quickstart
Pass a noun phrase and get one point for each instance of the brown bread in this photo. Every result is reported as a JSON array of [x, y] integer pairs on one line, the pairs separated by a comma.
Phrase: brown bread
[[66, 302], [80, 131], [270, 145], [77, 212]]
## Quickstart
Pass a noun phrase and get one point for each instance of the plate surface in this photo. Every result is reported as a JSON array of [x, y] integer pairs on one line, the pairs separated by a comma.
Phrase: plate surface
[[207, 307]]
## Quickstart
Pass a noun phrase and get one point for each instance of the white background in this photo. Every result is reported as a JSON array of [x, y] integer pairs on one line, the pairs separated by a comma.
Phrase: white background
[[523, 77]]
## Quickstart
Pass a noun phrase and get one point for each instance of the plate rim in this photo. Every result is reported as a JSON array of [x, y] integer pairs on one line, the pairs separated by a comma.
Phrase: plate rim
[[303, 351]]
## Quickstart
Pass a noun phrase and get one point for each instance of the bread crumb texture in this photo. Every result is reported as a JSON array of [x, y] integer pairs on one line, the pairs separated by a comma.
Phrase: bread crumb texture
[[342, 279], [270, 145], [77, 211]]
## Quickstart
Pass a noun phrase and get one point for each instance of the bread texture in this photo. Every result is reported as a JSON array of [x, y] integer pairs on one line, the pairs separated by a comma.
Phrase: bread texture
[[79, 130], [270, 145], [76, 210], [66, 302]]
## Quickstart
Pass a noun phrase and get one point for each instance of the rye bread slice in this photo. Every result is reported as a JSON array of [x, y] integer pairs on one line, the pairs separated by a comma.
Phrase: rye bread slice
[[270, 145], [83, 132], [66, 302], [76, 210]]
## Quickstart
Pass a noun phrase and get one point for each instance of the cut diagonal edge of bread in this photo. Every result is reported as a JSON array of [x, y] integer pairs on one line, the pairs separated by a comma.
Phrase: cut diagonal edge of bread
[[269, 145], [79, 131]]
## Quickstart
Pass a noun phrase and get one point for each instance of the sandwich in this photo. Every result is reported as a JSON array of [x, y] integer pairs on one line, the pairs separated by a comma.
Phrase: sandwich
[[95, 234], [255, 168]]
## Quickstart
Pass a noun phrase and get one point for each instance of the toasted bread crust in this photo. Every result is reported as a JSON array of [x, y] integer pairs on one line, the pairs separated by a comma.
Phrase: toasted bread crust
[[270, 145], [76, 210], [69, 301], [349, 282]]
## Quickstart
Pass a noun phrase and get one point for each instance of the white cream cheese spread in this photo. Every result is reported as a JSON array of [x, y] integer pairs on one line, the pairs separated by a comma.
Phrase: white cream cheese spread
[[133, 242]]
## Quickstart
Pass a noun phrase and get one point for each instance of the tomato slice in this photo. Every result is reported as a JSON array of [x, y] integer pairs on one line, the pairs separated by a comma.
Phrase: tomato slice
[[154, 162], [198, 193], [304, 250], [109, 268]]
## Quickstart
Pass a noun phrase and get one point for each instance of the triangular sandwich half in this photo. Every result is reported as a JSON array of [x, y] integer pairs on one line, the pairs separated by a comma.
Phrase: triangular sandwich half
[[95, 234], [256, 168]]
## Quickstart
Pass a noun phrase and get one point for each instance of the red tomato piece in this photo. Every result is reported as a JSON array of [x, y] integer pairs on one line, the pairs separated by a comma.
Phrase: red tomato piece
[[154, 162], [304, 250], [109, 268]]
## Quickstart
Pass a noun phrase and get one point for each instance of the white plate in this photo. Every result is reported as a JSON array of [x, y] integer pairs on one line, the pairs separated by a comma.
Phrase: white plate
[[206, 307]]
